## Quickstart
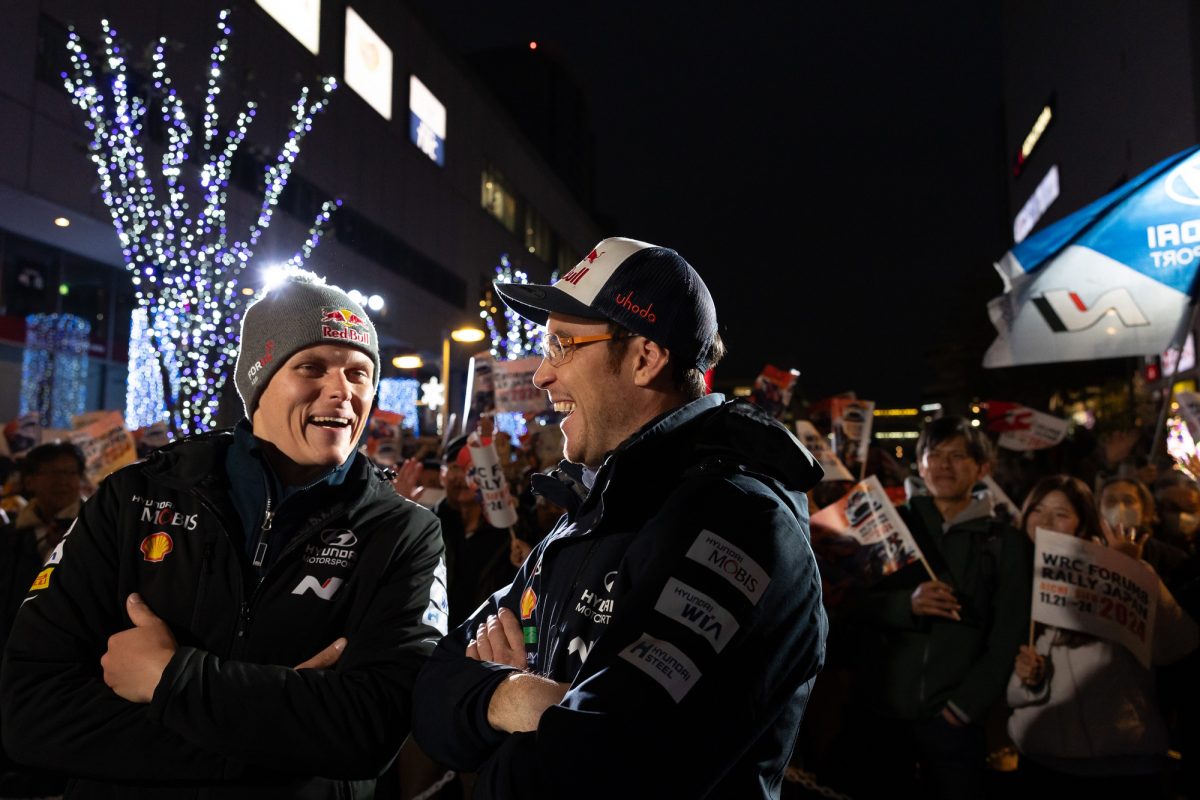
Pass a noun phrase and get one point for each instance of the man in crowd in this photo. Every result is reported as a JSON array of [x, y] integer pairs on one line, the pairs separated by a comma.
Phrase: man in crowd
[[52, 482], [934, 655], [244, 612], [662, 640]]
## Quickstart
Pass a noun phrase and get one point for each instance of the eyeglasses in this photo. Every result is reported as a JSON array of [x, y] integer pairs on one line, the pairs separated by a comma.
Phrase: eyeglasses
[[954, 457], [557, 349], [59, 473]]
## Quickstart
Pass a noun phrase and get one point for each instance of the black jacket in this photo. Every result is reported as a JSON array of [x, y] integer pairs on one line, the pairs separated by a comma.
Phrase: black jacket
[[681, 601], [230, 717]]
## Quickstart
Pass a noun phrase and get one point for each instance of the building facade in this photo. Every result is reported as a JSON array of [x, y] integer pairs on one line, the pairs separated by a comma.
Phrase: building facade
[[437, 182]]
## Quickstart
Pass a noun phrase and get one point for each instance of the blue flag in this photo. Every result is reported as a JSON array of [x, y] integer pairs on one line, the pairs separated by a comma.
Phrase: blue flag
[[1111, 280]]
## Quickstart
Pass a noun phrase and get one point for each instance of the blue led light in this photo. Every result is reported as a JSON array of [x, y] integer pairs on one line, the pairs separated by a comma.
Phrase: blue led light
[[54, 370]]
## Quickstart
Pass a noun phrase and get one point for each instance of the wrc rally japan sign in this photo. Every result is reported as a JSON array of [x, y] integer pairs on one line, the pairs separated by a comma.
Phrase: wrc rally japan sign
[[1111, 280]]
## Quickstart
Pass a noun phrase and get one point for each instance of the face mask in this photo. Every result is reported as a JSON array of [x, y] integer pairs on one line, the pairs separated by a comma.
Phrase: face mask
[[1123, 517], [1188, 523]]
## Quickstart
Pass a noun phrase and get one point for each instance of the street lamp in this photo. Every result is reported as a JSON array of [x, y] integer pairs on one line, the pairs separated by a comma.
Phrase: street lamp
[[413, 361], [466, 335]]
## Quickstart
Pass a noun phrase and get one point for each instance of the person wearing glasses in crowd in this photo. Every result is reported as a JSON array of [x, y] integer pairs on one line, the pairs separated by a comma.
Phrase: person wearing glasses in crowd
[[933, 655], [662, 640]]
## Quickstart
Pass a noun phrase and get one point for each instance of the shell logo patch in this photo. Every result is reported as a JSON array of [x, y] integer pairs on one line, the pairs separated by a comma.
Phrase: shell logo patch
[[528, 603], [42, 580], [156, 546]]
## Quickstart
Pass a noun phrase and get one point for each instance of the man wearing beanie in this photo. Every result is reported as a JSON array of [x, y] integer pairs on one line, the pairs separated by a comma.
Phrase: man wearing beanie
[[243, 613], [662, 640]]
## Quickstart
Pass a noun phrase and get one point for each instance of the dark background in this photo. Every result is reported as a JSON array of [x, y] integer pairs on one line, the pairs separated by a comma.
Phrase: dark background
[[835, 172]]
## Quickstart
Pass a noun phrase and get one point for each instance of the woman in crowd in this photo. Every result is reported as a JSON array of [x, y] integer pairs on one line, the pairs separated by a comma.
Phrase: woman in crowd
[[1084, 711], [1127, 504]]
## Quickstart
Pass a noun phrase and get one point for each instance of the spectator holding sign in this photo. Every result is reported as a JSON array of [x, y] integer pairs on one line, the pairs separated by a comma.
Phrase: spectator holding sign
[[933, 654], [1085, 719]]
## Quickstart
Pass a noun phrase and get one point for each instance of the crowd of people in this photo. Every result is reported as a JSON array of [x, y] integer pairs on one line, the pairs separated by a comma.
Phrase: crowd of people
[[949, 685], [267, 611]]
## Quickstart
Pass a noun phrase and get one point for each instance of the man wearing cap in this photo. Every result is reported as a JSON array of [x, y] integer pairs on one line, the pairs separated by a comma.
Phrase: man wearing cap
[[662, 640], [243, 613]]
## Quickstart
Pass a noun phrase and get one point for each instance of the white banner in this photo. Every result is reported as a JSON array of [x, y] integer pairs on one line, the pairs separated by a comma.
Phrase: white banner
[[498, 504], [512, 382], [861, 538], [1023, 428], [105, 442], [1088, 587], [852, 422], [819, 446]]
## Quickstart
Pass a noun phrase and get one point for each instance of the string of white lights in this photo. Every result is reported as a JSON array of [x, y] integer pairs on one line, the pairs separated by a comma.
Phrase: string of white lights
[[184, 267]]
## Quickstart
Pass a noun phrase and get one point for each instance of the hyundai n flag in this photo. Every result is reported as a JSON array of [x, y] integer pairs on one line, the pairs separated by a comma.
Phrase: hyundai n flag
[[1111, 280]]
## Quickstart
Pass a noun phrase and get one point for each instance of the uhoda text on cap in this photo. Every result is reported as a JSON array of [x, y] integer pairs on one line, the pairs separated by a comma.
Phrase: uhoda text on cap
[[627, 303]]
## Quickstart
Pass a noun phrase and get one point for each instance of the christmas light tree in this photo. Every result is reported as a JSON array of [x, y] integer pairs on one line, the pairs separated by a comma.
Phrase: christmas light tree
[[518, 338], [171, 217], [512, 337]]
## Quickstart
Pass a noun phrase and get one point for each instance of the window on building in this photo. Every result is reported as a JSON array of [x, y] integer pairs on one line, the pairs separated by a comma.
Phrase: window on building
[[30, 280], [498, 199], [52, 58], [539, 240], [85, 290], [426, 121]]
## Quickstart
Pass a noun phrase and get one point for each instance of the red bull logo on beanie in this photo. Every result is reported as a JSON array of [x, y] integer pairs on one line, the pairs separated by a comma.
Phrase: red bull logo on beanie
[[340, 323], [627, 303], [343, 316]]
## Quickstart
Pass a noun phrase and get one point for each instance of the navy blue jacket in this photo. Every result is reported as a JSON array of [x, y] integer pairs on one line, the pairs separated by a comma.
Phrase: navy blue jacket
[[679, 597]]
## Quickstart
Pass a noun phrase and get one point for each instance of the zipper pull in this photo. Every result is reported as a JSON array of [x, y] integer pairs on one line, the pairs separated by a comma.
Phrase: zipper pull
[[260, 552], [243, 620]]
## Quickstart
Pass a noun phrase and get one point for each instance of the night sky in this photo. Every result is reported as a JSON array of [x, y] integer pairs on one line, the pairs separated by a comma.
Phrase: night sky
[[833, 171]]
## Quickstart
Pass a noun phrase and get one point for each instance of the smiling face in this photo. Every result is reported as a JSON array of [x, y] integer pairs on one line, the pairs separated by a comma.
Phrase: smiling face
[[589, 392], [1053, 512], [314, 410], [949, 470]]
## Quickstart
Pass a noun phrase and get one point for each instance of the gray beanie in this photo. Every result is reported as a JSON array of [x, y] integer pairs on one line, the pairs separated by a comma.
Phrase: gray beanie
[[300, 312]]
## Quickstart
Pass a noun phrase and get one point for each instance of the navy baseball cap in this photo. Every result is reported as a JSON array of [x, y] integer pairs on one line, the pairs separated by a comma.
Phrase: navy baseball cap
[[649, 290]]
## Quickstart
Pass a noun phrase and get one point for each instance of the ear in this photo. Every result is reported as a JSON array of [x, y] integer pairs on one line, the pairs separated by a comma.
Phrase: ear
[[650, 361]]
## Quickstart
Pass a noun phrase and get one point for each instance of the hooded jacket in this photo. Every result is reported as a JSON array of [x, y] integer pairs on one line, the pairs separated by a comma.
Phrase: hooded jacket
[[230, 717], [679, 597], [911, 667]]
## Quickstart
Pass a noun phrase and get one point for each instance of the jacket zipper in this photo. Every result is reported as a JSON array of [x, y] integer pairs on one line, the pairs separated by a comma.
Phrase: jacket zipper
[[247, 612], [260, 552]]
